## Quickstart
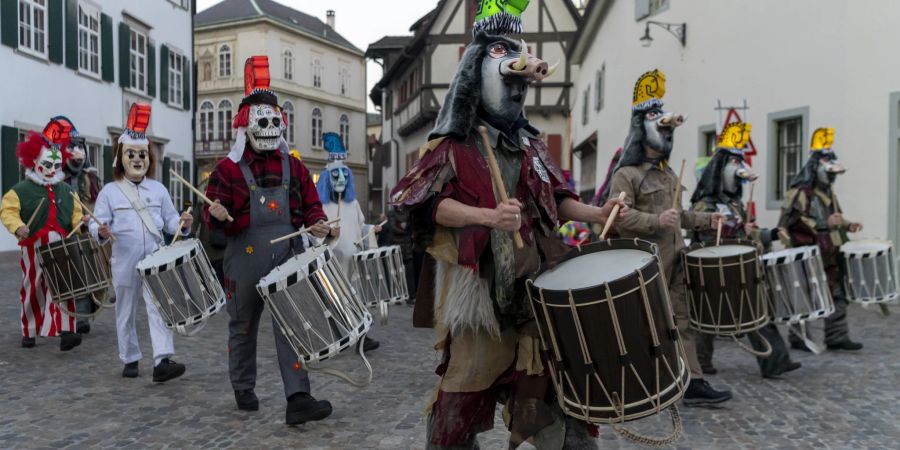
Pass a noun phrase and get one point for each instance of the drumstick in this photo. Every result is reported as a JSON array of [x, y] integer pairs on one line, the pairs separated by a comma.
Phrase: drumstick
[[90, 214], [300, 231], [750, 203], [612, 217], [498, 180], [180, 226], [676, 201], [34, 214], [370, 233], [203, 197], [719, 232]]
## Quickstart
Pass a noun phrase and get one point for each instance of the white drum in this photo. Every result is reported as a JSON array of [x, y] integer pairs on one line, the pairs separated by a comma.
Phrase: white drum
[[798, 286], [871, 273], [380, 278], [183, 285]]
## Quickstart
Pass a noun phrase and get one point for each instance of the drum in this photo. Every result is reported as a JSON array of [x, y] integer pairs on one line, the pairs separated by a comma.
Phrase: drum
[[75, 268], [607, 327], [725, 290], [871, 275], [182, 285], [798, 288], [380, 278]]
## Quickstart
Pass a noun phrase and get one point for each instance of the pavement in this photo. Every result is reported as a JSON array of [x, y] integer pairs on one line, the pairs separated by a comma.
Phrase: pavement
[[78, 399]]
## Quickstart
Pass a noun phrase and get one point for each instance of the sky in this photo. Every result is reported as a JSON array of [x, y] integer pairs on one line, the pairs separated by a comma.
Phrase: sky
[[361, 21]]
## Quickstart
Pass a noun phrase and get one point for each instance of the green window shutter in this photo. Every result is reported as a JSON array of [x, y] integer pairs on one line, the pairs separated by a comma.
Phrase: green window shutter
[[186, 82], [72, 34], [55, 30], [151, 70], [107, 62], [108, 163], [167, 165], [9, 139], [124, 55], [9, 23], [186, 173], [164, 73]]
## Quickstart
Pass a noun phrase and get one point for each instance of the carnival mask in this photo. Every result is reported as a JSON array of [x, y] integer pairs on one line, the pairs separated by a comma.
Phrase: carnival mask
[[48, 164], [265, 127], [734, 173], [659, 127], [136, 161], [339, 177], [828, 170], [77, 156], [506, 72]]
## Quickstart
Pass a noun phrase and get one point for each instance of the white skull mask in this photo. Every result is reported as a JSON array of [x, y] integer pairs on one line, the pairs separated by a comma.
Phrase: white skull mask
[[48, 164], [265, 127], [136, 161]]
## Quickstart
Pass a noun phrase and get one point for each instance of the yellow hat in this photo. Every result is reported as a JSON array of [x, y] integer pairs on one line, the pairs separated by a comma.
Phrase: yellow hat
[[822, 139], [735, 135], [296, 154], [649, 91]]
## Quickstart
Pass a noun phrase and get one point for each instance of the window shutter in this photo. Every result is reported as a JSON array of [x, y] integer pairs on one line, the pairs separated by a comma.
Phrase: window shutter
[[167, 165], [107, 61], [151, 70], [124, 55], [9, 138], [163, 73], [108, 163], [186, 173], [186, 80], [72, 34], [9, 22], [55, 30], [641, 9]]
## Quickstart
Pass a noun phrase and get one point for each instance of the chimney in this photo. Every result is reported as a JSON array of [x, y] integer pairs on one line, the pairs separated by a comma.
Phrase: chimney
[[330, 18]]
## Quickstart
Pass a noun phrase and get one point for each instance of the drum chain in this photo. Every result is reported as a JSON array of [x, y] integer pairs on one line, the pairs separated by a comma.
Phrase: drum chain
[[653, 441]]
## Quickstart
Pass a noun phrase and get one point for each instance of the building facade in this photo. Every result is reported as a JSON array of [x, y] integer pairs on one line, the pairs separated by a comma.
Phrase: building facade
[[799, 66], [90, 60], [418, 70], [318, 75]]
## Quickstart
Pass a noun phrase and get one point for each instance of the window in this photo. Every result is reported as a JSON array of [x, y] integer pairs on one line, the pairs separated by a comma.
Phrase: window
[[225, 115], [289, 113], [317, 72], [345, 131], [33, 27], [288, 65], [186, 4], [586, 106], [175, 187], [224, 61], [316, 128], [789, 151], [176, 76], [207, 71], [588, 178], [647, 8], [599, 88], [88, 39], [206, 121], [95, 156], [709, 143], [345, 81], [138, 59]]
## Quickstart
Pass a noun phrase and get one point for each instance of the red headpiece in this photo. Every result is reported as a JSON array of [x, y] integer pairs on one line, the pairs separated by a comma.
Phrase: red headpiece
[[58, 132], [30, 149], [136, 128], [256, 89]]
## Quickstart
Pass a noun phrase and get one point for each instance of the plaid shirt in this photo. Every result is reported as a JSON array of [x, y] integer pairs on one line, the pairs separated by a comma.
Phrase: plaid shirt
[[227, 185]]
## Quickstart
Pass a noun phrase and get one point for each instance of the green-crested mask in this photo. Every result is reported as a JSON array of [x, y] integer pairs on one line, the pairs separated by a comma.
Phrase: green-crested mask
[[500, 16]]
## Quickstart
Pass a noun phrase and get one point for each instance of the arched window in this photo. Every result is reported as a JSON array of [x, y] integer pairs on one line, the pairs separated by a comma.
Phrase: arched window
[[288, 65], [345, 131], [224, 61], [316, 128], [225, 115], [207, 71], [317, 72], [207, 112], [289, 114]]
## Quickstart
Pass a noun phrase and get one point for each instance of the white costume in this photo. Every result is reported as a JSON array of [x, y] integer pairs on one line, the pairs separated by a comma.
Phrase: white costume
[[353, 227]]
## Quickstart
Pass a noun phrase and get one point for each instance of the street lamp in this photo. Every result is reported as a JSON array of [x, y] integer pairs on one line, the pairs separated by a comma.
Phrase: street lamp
[[679, 30]]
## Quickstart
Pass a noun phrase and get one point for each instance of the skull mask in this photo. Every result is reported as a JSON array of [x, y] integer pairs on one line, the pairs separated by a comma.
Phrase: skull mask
[[136, 161], [265, 127], [48, 165]]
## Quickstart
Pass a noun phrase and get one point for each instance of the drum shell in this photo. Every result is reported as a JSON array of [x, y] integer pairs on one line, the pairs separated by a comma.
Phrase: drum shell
[[869, 276], [726, 295], [379, 276], [610, 383], [797, 285], [74, 268]]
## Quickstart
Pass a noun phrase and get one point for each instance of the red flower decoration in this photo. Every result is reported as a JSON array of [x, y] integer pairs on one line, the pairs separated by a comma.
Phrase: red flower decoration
[[272, 205], [297, 365]]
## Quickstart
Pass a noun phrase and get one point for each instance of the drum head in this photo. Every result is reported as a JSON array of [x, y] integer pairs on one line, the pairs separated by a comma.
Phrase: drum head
[[303, 263], [376, 252], [721, 251], [790, 254], [165, 255], [592, 269], [865, 247]]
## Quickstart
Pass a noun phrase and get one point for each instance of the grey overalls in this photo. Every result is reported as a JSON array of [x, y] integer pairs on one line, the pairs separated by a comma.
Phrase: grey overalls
[[248, 257]]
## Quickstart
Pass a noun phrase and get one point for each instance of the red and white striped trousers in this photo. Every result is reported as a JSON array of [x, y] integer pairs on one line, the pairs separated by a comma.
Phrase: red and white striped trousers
[[39, 314]]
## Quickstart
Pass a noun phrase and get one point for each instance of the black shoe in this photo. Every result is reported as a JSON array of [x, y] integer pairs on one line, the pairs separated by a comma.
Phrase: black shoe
[[28, 342], [699, 393], [69, 340], [789, 367], [370, 344], [302, 408], [246, 400], [130, 370], [166, 370], [83, 327], [800, 346], [846, 345], [709, 370]]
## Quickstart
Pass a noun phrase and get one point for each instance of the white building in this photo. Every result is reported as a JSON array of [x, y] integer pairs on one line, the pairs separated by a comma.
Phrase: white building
[[799, 64], [89, 60]]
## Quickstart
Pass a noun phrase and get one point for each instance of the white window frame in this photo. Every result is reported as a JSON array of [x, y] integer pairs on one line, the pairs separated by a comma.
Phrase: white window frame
[[175, 186], [345, 81], [288, 109], [138, 79], [224, 59], [317, 72], [89, 41], [27, 30], [344, 128], [787, 153], [288, 59], [176, 78], [600, 88], [94, 152], [206, 122], [224, 116], [316, 127]]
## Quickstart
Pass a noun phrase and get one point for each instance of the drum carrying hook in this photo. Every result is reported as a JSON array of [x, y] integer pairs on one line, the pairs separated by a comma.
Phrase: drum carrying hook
[[344, 376]]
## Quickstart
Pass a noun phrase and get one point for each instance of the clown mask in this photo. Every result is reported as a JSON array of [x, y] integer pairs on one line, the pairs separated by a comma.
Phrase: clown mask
[[265, 127], [48, 165], [339, 176], [136, 161]]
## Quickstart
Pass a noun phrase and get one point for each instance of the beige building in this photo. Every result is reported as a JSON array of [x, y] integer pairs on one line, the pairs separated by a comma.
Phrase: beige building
[[318, 75]]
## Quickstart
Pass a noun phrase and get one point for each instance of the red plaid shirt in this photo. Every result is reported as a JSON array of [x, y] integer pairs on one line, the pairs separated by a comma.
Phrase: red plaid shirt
[[227, 185]]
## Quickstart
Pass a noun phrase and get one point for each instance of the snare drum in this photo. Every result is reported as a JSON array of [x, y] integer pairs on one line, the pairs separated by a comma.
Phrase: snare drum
[[607, 327], [75, 268], [871, 276], [182, 285], [380, 278], [798, 287], [724, 283]]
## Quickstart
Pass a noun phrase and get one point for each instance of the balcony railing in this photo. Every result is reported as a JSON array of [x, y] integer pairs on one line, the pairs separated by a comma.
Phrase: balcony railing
[[212, 148]]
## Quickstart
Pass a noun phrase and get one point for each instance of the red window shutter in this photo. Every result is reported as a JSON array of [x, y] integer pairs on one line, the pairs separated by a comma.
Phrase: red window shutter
[[554, 142]]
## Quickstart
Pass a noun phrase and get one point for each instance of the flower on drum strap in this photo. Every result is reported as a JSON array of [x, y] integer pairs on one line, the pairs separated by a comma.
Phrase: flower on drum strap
[[298, 366], [249, 250]]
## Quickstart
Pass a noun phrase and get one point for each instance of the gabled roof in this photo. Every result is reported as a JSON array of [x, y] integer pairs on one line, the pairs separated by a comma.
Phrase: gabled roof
[[228, 11], [387, 43]]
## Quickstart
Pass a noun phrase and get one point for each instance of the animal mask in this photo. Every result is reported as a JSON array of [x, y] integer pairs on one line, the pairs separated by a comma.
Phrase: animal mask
[[659, 129], [734, 174]]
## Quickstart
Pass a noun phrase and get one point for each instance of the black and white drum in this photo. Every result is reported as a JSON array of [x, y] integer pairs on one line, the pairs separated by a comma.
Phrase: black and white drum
[[871, 273], [798, 287], [183, 285], [380, 278], [318, 312]]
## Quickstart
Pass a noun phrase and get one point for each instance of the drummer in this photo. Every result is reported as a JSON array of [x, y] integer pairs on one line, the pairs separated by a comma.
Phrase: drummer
[[649, 184], [269, 194], [39, 210], [136, 210], [812, 216], [720, 189]]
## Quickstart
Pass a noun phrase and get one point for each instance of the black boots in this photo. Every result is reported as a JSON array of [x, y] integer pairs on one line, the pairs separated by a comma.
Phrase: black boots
[[69, 340], [370, 344], [166, 370], [246, 400], [130, 370], [699, 393], [302, 408], [846, 345]]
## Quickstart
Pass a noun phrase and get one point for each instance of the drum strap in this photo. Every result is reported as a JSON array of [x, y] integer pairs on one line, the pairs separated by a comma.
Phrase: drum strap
[[131, 194]]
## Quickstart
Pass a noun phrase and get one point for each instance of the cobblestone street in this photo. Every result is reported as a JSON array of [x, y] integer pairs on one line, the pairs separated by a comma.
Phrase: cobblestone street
[[79, 400]]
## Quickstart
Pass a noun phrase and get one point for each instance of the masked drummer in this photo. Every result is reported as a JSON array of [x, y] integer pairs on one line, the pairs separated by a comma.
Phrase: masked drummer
[[649, 184], [39, 210], [137, 210], [484, 324], [269, 194], [720, 189], [812, 216]]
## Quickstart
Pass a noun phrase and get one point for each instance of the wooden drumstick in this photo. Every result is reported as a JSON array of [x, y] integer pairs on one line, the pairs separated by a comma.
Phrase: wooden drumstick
[[498, 180], [372, 230], [34, 214], [676, 201], [300, 231], [202, 196], [750, 218], [719, 232], [180, 226], [612, 217], [87, 211]]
